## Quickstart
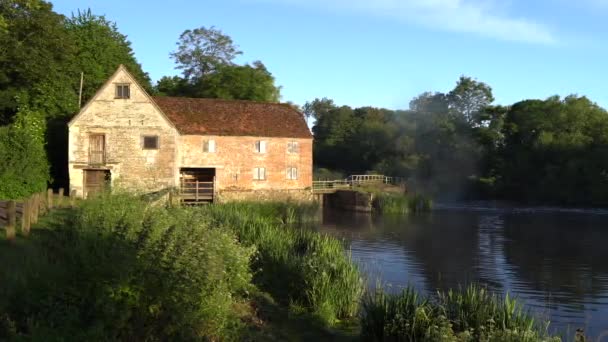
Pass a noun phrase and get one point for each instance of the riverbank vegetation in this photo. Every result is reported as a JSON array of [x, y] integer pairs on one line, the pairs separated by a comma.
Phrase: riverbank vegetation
[[116, 268], [472, 314], [392, 203], [119, 268]]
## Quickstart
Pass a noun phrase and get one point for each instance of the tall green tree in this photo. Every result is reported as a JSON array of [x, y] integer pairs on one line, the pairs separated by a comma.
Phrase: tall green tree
[[100, 48], [238, 82], [202, 50], [469, 98], [36, 55], [206, 56]]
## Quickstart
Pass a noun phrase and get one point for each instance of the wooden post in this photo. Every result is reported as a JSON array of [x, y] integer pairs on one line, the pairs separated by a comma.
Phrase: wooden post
[[26, 217], [196, 190], [72, 198], [60, 198], [49, 199], [34, 204], [11, 212]]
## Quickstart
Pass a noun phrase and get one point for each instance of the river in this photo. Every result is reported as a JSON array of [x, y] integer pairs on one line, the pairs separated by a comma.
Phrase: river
[[554, 260]]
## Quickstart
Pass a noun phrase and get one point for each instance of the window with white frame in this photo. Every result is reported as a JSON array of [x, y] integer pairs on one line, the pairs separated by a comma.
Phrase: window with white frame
[[292, 147], [209, 146], [260, 146], [259, 173], [292, 173]]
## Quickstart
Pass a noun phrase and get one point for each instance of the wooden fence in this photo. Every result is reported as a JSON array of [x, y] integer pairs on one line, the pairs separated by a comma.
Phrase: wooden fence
[[24, 213]]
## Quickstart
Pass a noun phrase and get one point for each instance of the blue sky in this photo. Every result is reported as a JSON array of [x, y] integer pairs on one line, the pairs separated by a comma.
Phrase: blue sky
[[385, 52]]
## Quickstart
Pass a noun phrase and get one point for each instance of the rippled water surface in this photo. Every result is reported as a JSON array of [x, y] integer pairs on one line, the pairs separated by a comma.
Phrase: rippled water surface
[[556, 261]]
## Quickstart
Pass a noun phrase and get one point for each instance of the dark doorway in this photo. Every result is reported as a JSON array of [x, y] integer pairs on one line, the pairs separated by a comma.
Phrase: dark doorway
[[95, 181], [197, 185]]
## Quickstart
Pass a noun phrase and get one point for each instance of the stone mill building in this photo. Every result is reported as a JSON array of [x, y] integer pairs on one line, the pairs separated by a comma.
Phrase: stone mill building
[[206, 149]]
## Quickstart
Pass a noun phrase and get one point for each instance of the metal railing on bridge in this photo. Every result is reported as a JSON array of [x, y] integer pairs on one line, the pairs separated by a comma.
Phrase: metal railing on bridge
[[328, 186]]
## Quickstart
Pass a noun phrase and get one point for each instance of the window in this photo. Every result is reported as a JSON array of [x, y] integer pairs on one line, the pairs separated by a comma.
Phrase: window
[[123, 91], [150, 142], [259, 173], [209, 146], [292, 173], [260, 146], [292, 147]]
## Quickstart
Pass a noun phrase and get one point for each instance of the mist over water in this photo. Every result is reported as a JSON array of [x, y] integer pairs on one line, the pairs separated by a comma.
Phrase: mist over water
[[555, 260]]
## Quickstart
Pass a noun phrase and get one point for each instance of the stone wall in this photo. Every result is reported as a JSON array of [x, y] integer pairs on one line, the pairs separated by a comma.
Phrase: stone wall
[[124, 122], [264, 195]]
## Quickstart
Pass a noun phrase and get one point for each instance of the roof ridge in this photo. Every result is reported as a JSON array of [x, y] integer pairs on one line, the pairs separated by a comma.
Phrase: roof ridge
[[219, 99]]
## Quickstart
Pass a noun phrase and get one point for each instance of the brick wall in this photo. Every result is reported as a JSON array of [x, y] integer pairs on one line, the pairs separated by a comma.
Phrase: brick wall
[[236, 157]]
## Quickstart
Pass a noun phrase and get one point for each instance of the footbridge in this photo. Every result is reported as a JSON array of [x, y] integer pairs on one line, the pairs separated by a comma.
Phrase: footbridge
[[331, 186]]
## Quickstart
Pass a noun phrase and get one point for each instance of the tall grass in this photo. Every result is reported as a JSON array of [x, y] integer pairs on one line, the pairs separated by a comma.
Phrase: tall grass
[[296, 265], [121, 270], [472, 314], [399, 203], [118, 268]]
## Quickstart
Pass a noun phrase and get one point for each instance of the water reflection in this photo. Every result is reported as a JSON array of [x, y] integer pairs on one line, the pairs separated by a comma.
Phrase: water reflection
[[557, 262]]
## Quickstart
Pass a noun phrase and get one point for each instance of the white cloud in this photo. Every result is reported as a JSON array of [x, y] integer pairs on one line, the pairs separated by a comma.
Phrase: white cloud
[[468, 16]]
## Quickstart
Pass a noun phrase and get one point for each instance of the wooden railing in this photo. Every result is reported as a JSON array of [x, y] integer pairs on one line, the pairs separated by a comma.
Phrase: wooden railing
[[193, 190], [25, 212], [327, 186]]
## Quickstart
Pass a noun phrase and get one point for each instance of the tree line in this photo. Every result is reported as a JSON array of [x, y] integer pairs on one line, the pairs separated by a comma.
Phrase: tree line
[[459, 145], [42, 57]]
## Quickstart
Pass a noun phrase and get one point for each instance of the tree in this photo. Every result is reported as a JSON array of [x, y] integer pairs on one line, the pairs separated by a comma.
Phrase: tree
[[100, 48], [36, 54], [236, 82], [469, 98], [202, 50]]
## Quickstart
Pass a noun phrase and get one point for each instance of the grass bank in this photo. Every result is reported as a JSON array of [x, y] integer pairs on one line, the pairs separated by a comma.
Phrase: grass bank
[[116, 268]]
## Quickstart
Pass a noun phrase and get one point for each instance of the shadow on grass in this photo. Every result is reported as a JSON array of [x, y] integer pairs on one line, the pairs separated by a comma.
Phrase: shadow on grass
[[267, 320]]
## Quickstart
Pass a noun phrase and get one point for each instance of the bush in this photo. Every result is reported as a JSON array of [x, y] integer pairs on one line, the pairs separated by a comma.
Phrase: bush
[[126, 271], [470, 315], [24, 168]]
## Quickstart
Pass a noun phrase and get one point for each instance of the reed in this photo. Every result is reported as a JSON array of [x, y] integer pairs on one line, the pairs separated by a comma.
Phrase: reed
[[398, 203], [472, 314]]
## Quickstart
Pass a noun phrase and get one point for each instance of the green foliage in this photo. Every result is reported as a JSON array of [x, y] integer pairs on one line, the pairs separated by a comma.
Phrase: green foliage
[[297, 266], [469, 315], [202, 51], [100, 49], [36, 54], [120, 270], [400, 203], [205, 56], [458, 146], [24, 169]]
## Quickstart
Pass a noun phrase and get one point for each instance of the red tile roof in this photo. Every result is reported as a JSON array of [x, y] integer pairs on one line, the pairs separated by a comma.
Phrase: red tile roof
[[233, 117]]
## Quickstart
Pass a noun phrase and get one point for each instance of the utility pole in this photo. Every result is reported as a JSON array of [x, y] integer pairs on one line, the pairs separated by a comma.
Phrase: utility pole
[[80, 92]]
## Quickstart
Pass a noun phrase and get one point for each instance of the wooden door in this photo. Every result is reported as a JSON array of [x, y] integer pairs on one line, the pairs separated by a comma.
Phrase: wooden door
[[97, 149], [95, 181]]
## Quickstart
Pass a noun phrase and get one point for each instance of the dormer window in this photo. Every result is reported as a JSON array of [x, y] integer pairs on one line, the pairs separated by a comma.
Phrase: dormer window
[[123, 91]]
